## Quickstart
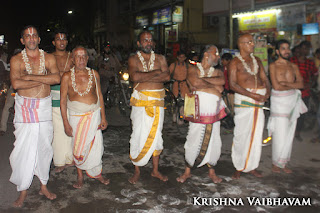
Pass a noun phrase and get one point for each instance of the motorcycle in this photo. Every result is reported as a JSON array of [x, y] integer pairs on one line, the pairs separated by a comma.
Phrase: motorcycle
[[119, 92]]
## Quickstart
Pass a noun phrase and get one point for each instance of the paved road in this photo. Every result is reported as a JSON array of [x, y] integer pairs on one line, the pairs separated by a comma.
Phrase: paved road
[[152, 195]]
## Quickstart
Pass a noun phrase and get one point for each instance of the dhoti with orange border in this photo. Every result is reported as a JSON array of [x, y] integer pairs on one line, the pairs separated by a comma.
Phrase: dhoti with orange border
[[87, 137], [147, 117], [203, 144], [249, 123]]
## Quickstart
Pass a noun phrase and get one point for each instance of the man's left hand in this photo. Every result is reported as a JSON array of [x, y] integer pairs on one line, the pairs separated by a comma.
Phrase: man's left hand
[[104, 124]]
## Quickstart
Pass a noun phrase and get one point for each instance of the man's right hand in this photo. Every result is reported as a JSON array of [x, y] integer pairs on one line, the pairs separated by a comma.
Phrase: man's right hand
[[68, 129], [260, 98]]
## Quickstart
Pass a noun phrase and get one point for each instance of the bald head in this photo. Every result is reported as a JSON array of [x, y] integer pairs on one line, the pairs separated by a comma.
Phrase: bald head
[[246, 43], [79, 48]]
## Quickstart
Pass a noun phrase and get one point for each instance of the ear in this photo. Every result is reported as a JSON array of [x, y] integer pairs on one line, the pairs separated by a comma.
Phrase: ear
[[54, 43], [138, 43], [277, 52]]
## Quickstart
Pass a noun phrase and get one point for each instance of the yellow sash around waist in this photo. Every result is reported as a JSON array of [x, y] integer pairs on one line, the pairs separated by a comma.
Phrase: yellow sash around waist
[[148, 104]]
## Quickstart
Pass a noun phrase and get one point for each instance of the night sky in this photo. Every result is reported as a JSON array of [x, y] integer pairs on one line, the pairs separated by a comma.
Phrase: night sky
[[15, 15]]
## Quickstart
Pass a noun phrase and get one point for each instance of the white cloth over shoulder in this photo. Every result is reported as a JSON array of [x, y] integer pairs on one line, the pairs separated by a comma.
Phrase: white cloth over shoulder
[[32, 153], [286, 107], [249, 123]]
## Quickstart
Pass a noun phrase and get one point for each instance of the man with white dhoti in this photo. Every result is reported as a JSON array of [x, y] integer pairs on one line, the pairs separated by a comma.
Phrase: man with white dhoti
[[286, 106], [32, 73], [203, 145], [148, 71], [61, 144], [81, 94], [252, 88]]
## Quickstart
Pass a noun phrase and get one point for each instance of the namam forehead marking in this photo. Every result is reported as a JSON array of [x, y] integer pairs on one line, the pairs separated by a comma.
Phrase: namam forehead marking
[[61, 36]]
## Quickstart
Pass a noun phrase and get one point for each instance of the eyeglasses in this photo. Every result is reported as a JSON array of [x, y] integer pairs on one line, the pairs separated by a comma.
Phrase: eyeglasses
[[248, 42], [147, 40]]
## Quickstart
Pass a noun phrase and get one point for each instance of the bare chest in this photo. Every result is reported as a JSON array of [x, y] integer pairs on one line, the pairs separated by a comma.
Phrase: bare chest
[[285, 72], [62, 62]]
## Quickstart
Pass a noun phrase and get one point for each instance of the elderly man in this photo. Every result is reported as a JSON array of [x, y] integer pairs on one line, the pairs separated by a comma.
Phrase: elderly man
[[32, 73], [148, 71], [203, 145], [81, 94], [252, 88]]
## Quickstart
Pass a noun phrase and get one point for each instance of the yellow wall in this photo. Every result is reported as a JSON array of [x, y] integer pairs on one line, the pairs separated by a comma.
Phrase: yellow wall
[[193, 23]]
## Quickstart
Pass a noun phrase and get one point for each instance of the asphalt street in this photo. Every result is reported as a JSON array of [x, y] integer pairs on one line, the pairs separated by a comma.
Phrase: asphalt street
[[152, 195]]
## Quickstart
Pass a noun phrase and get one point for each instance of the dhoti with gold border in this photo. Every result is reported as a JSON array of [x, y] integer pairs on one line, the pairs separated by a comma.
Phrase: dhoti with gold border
[[249, 123], [203, 144], [147, 117]]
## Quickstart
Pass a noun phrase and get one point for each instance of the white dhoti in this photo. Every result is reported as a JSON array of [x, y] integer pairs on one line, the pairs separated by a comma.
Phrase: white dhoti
[[32, 153], [249, 123], [286, 107], [147, 116], [203, 144], [87, 140], [61, 144]]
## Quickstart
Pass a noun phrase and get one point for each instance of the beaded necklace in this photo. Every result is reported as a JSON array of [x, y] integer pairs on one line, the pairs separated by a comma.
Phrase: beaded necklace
[[202, 74], [151, 61], [248, 69], [74, 85], [42, 67]]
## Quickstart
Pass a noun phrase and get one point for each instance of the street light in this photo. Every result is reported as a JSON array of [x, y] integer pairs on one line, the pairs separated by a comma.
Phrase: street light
[[70, 12]]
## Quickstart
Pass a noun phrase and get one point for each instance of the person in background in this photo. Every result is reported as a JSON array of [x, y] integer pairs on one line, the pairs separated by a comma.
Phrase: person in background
[[178, 72], [225, 61], [9, 98], [308, 72]]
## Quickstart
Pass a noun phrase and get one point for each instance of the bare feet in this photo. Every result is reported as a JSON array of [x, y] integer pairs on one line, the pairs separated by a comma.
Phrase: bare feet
[[183, 177], [159, 175], [19, 202], [236, 175], [44, 191], [286, 170], [59, 169], [256, 174], [103, 180], [214, 177], [78, 184], [275, 169], [134, 179]]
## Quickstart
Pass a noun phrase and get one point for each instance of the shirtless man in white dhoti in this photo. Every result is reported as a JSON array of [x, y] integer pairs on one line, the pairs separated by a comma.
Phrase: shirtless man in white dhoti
[[81, 94], [286, 106], [252, 88], [148, 71], [203, 145], [32, 73], [61, 144]]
